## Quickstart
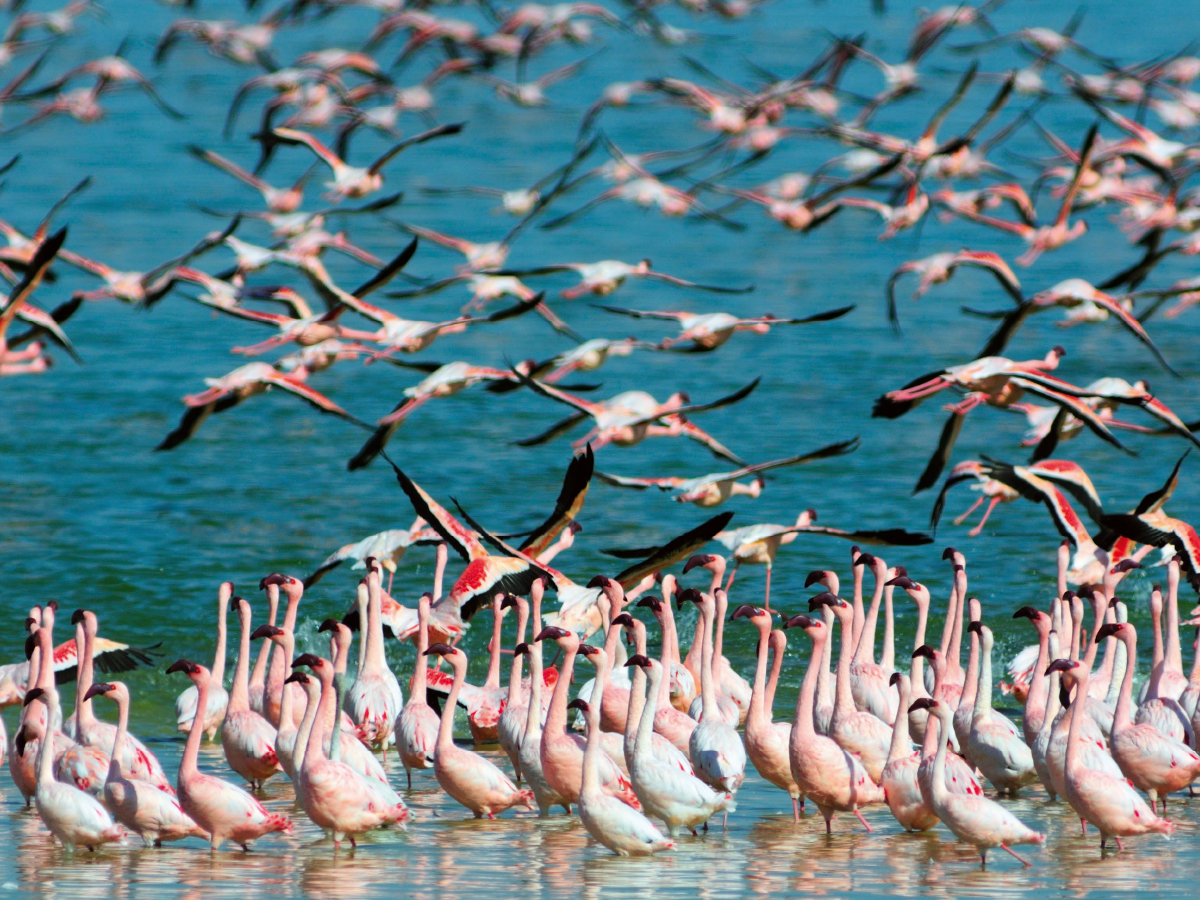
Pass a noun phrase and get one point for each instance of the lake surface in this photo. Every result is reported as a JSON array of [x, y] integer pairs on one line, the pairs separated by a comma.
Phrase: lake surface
[[92, 517]]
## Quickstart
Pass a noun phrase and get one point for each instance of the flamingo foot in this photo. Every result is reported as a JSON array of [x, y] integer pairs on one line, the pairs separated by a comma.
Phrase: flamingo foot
[[795, 811], [865, 824], [1017, 856], [1120, 846], [829, 824]]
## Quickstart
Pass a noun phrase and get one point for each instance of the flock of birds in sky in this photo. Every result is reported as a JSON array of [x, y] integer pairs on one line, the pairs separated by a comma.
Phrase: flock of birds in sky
[[662, 754]]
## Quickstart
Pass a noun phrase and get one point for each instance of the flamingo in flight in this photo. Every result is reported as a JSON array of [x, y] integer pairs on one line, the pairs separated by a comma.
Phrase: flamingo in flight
[[629, 418], [703, 332], [606, 276], [938, 268], [387, 547], [715, 489]]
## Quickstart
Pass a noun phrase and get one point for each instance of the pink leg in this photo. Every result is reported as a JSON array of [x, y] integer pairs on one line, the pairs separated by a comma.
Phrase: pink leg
[[974, 532], [768, 600], [1083, 825], [795, 810], [1120, 846], [732, 575], [829, 824], [974, 506], [972, 400], [391, 575], [1015, 855], [864, 822]]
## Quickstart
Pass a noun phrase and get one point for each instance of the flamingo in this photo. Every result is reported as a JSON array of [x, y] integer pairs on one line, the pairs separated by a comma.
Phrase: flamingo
[[716, 751], [151, 813], [832, 778], [671, 723], [375, 699], [1155, 763], [1109, 803], [285, 735], [417, 725], [293, 589], [993, 742], [387, 547], [604, 277], [185, 703], [258, 675], [72, 815], [247, 738], [467, 777], [137, 760], [620, 828], [901, 787], [973, 819], [705, 332], [663, 750], [511, 726], [767, 741], [336, 797], [920, 595], [860, 733], [531, 740], [1038, 698], [938, 268], [678, 798], [1040, 745], [562, 753], [960, 777], [1159, 706], [869, 684]]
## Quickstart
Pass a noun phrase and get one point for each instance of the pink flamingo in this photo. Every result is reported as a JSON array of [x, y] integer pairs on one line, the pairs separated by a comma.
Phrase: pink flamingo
[[417, 725], [350, 749], [960, 776], [728, 710], [285, 735], [512, 720], [973, 818], [258, 675], [1038, 697], [224, 811], [672, 724], [312, 692], [860, 733], [620, 828], [1111, 804], [467, 777], [716, 751], [335, 796], [485, 710], [663, 750], [918, 719], [151, 813], [995, 745], [247, 738], [767, 741], [185, 703], [1155, 763], [1160, 706], [965, 711], [375, 699], [531, 740], [868, 681], [89, 731], [832, 778], [1041, 743], [901, 787], [293, 589], [562, 753], [72, 815]]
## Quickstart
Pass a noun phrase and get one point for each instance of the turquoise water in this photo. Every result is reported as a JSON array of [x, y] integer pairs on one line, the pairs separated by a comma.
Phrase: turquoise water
[[93, 518]]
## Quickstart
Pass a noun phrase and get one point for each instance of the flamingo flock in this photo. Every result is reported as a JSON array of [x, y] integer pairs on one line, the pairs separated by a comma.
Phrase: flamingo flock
[[653, 749]]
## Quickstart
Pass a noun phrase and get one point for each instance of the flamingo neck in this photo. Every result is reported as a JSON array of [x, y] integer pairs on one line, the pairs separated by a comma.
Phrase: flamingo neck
[[864, 651], [857, 622], [118, 747], [1173, 656], [843, 699], [983, 691], [1077, 712], [239, 697], [306, 723], [1122, 716], [258, 678], [218, 666], [777, 648], [708, 687], [637, 697], [756, 714], [278, 670], [802, 722], [556, 716], [695, 655], [888, 660], [493, 675], [642, 743], [1036, 699], [954, 657], [335, 734], [45, 757], [591, 753], [901, 742], [84, 714], [971, 685], [948, 625], [314, 753], [533, 718], [722, 605], [916, 667], [445, 738], [929, 745], [189, 763], [285, 702], [939, 791], [514, 673], [420, 674], [670, 652]]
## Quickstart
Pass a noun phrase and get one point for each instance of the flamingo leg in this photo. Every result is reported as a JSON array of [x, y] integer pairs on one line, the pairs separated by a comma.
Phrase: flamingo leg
[[865, 824], [829, 824], [1120, 846], [1083, 825], [795, 811], [974, 506], [391, 575], [732, 575], [974, 532], [768, 597], [1009, 850], [408, 772]]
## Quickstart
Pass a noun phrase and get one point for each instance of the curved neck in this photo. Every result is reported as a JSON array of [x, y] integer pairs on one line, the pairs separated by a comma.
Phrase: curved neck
[[778, 646], [708, 687], [191, 751], [514, 673], [755, 715], [493, 675], [83, 676], [843, 699], [314, 752], [888, 659], [591, 754], [1123, 715], [916, 669], [285, 702], [864, 652], [983, 691], [1120, 664], [929, 745], [218, 666], [259, 676], [802, 722], [901, 742], [118, 747], [445, 738], [556, 716], [239, 697]]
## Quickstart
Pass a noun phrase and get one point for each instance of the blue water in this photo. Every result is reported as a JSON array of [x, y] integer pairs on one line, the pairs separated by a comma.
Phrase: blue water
[[92, 517]]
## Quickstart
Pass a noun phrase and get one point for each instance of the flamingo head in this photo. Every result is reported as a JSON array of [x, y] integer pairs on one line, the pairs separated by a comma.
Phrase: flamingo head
[[923, 703], [20, 740], [688, 594], [642, 662], [181, 665], [1063, 665], [651, 603], [818, 576], [588, 650], [440, 649], [308, 659], [1125, 565], [297, 677], [976, 627], [579, 704], [746, 611], [32, 694], [825, 598], [77, 617], [97, 689], [624, 619], [1110, 629], [926, 652], [600, 581], [265, 631], [522, 649], [949, 553], [350, 620], [808, 623], [703, 560], [902, 581]]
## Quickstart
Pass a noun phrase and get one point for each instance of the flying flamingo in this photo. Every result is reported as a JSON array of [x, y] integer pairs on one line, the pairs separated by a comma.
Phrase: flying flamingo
[[704, 332], [714, 489], [336, 797], [1111, 804], [1154, 762], [247, 738], [467, 777], [832, 778], [624, 830], [387, 547], [767, 741], [938, 268], [72, 815], [224, 811], [146, 810], [901, 786], [417, 725], [974, 819], [278, 200], [605, 277], [994, 744], [375, 699]]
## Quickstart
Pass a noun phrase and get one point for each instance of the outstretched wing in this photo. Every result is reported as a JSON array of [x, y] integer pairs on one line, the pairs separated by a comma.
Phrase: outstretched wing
[[674, 550], [462, 541], [566, 508]]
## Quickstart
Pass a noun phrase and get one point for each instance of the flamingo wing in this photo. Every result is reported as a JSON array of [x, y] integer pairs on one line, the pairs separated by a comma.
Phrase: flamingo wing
[[462, 541]]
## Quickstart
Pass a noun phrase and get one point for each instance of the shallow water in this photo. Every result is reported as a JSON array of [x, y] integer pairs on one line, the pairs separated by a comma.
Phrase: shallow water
[[93, 518]]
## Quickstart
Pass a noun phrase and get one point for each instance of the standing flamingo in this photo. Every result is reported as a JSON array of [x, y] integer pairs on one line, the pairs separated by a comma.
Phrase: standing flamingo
[[614, 824], [1111, 804], [224, 811], [672, 724], [375, 699], [248, 738], [917, 719], [258, 675], [1038, 697], [1160, 706], [832, 778], [149, 812], [767, 741], [512, 720], [995, 745], [417, 726], [285, 735], [973, 818], [467, 777], [1040, 745], [663, 750], [965, 710], [868, 681], [185, 703], [960, 777], [293, 589], [901, 787], [531, 741]]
